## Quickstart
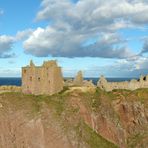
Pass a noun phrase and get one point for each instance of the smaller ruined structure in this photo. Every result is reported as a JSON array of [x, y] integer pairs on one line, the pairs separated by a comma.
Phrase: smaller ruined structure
[[88, 83], [46, 79], [78, 81], [130, 85]]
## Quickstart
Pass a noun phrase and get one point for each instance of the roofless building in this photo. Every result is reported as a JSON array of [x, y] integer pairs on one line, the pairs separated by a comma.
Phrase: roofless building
[[46, 79]]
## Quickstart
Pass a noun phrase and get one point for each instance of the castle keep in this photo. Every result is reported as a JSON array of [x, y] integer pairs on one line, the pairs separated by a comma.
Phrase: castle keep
[[45, 79]]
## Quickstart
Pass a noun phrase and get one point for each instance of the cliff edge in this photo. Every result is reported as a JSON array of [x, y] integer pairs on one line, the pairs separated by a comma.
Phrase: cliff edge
[[74, 118]]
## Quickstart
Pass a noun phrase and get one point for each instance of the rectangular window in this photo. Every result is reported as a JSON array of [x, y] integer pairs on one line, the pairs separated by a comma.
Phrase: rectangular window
[[30, 78], [24, 71]]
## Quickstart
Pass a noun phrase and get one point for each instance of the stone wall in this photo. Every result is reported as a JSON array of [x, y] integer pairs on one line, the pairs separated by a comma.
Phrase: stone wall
[[130, 85], [10, 88]]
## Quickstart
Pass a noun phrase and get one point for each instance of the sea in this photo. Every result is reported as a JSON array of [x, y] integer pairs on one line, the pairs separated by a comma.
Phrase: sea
[[18, 81]]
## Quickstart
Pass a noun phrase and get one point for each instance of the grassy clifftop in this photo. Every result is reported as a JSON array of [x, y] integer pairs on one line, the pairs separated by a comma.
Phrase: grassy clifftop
[[90, 119]]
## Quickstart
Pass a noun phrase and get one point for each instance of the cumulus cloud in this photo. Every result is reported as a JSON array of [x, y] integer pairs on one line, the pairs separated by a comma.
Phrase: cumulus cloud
[[22, 35], [145, 45], [94, 13], [6, 43], [49, 41], [73, 24], [121, 67], [133, 68]]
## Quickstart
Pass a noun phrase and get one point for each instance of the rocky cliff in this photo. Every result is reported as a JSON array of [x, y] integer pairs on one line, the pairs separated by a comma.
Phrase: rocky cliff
[[74, 119]]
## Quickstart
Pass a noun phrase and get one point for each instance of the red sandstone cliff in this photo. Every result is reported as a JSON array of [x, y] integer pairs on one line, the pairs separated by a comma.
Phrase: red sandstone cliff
[[120, 117]]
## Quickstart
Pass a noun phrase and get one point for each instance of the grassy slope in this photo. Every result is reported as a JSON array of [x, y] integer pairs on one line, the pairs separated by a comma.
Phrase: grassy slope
[[32, 106], [69, 117], [94, 140]]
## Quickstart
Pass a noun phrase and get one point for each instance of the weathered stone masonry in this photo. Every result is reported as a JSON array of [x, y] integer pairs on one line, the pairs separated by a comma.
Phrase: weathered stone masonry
[[129, 85], [45, 79]]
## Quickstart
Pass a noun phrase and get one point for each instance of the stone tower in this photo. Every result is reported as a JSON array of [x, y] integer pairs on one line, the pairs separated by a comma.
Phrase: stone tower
[[78, 79], [46, 79]]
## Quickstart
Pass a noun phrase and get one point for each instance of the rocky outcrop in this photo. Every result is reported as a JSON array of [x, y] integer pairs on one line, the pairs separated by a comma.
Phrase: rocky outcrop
[[23, 125], [18, 131], [120, 121], [120, 117]]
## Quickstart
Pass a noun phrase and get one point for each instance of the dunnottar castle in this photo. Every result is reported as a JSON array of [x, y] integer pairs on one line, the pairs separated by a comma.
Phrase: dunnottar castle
[[47, 79]]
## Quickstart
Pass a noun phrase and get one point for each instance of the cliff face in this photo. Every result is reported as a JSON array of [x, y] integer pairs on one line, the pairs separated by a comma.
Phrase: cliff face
[[74, 119], [22, 126], [120, 116]]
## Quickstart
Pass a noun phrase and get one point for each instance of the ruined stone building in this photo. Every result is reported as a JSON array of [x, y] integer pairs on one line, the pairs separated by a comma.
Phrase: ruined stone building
[[46, 79], [129, 85], [78, 80]]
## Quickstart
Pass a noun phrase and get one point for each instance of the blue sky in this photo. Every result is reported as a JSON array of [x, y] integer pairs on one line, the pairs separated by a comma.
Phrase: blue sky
[[95, 36]]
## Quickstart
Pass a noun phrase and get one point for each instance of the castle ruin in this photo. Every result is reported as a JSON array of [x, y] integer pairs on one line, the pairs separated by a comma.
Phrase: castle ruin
[[46, 79], [78, 80], [129, 85]]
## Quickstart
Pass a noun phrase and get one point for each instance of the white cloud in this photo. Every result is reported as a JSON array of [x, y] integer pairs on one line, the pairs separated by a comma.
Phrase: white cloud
[[134, 68], [121, 68], [92, 13], [145, 45], [76, 23], [21, 35], [6, 43], [49, 41]]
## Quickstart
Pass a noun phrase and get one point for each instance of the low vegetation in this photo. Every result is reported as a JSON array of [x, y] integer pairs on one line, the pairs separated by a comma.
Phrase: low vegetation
[[69, 117]]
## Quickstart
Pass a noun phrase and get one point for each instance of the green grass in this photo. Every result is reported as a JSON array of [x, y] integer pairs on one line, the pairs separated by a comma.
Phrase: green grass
[[59, 105], [18, 101], [84, 132], [94, 140], [65, 88], [142, 95], [136, 139], [33, 104], [91, 100]]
